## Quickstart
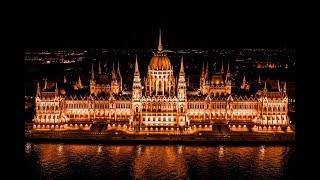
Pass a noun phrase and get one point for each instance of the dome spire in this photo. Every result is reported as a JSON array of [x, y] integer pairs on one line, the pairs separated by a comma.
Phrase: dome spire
[[160, 47]]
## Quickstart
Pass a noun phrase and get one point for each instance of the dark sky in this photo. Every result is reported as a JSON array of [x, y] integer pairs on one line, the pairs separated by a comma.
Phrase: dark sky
[[184, 26]]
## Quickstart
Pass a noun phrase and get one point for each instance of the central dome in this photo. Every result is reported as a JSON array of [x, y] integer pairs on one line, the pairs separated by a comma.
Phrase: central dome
[[159, 62]]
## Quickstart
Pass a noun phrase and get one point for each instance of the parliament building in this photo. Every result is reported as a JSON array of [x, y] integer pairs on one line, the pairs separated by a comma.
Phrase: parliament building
[[161, 103]]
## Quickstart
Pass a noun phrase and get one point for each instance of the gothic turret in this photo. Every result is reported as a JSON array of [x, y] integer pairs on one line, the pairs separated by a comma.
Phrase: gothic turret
[[244, 83], [228, 80], [113, 74], [99, 68], [92, 73], [106, 67], [228, 75], [79, 82], [38, 89], [222, 70], [202, 79], [182, 82], [56, 89], [114, 83], [45, 84], [206, 76], [64, 79], [136, 87], [119, 77], [265, 86]]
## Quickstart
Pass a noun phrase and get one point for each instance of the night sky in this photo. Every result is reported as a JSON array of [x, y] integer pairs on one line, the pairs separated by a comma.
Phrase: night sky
[[184, 25]]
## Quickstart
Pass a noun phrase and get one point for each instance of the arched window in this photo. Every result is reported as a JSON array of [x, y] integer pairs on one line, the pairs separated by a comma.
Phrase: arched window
[[181, 109], [137, 109]]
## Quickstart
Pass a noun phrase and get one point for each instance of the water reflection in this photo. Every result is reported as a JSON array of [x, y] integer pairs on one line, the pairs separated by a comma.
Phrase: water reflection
[[27, 148], [262, 152], [221, 152], [158, 161], [99, 149]]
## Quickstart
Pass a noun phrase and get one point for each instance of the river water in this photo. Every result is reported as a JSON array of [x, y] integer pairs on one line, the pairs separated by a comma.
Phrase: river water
[[142, 161]]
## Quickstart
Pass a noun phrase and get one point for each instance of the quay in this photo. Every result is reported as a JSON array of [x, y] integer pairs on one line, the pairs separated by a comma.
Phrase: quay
[[118, 136]]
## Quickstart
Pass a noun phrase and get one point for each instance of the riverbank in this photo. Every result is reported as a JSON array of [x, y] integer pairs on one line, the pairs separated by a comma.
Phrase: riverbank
[[241, 138]]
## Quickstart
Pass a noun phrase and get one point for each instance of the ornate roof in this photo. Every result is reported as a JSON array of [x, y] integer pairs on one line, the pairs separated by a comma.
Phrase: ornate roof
[[159, 62]]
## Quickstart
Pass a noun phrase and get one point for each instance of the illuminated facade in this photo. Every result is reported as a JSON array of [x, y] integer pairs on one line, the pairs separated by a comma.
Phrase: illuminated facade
[[162, 103]]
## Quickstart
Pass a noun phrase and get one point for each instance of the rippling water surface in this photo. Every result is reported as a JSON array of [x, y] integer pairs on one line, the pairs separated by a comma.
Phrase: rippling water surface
[[105, 161]]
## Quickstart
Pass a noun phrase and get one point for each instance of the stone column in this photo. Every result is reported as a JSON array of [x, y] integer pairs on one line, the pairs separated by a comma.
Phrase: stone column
[[162, 86], [157, 86]]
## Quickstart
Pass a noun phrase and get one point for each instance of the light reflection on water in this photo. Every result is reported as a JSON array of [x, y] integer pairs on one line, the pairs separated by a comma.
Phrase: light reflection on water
[[51, 161]]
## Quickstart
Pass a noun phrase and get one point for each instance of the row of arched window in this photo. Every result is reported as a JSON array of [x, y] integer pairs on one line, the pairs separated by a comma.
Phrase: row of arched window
[[156, 119], [47, 107], [97, 105], [274, 108]]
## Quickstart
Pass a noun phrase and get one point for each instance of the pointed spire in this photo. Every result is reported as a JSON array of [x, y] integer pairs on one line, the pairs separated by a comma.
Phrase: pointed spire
[[181, 66], [92, 72], [265, 86], [79, 81], [259, 80], [203, 67], [56, 88], [222, 70], [228, 70], [99, 68], [38, 88], [244, 79], [160, 47], [118, 69], [137, 88], [279, 89], [106, 66], [285, 87], [136, 68], [45, 84], [206, 76], [119, 73], [113, 74], [64, 79]]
